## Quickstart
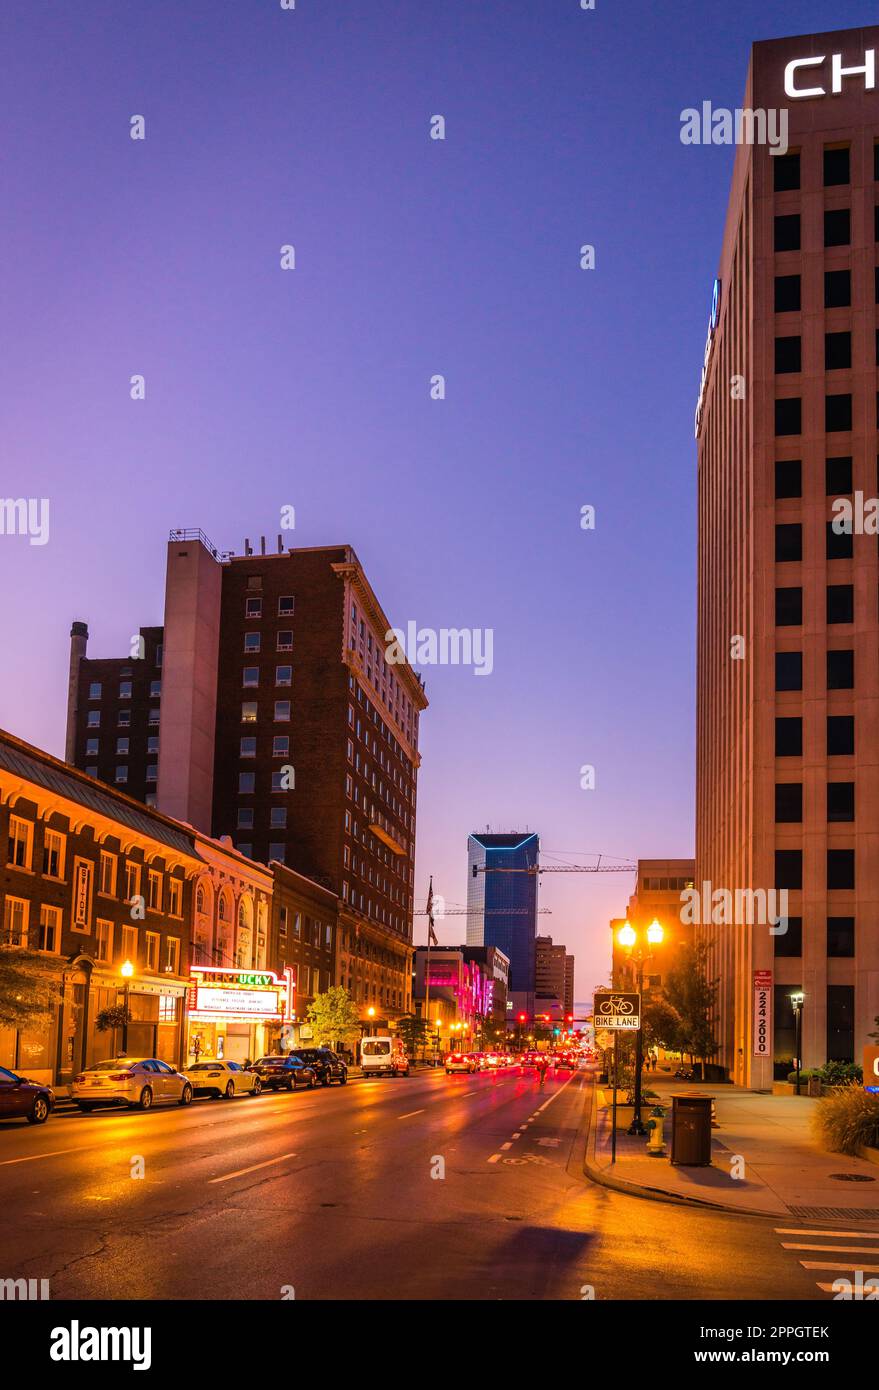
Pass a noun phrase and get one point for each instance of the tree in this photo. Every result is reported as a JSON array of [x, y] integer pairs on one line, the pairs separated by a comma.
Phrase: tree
[[333, 1017], [413, 1030], [29, 988], [692, 995], [662, 1024]]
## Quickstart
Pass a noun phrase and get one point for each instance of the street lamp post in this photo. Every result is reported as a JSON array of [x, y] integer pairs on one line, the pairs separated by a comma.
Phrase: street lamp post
[[628, 937], [797, 1000], [126, 970]]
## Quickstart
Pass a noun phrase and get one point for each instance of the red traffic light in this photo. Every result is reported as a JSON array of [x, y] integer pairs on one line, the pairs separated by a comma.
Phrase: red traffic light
[[522, 1018]]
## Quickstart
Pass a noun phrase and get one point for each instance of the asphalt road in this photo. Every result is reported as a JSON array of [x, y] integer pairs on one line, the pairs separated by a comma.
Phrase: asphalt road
[[431, 1187]]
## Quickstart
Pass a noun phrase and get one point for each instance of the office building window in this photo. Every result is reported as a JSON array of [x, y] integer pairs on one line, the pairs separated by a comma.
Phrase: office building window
[[787, 232], [840, 936], [787, 294], [788, 607], [103, 941], [125, 690], [285, 606], [840, 603], [154, 891], [786, 173], [250, 677], [789, 738], [837, 289], [840, 801], [283, 675], [107, 883], [788, 355], [838, 545], [252, 642], [248, 712], [91, 747], [253, 608], [838, 413], [121, 774], [840, 670], [788, 542], [790, 942], [53, 854], [246, 783], [245, 817], [95, 690], [788, 802], [280, 746], [277, 850], [788, 478], [788, 670], [282, 711], [837, 227], [789, 868], [248, 747], [840, 1023], [49, 936], [278, 818], [838, 476], [840, 868], [837, 351], [93, 719], [789, 416], [836, 167], [285, 641], [175, 897], [840, 735]]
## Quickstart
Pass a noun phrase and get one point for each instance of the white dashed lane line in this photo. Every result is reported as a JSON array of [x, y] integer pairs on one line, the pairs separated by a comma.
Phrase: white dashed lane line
[[240, 1172]]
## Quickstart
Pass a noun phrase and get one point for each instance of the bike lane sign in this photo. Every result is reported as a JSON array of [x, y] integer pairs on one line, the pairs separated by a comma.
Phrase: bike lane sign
[[618, 1011]]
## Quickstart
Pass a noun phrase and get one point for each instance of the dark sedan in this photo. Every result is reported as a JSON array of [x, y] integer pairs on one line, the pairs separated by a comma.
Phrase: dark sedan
[[284, 1073], [326, 1065], [18, 1096]]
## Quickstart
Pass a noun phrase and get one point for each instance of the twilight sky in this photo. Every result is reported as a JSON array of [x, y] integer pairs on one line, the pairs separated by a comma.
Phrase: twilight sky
[[310, 388]]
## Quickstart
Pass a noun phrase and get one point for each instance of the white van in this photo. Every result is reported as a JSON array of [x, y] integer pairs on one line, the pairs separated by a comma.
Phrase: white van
[[383, 1057]]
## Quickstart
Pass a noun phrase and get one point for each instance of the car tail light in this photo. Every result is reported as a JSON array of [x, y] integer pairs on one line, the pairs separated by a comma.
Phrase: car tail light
[[81, 1076], [120, 1076]]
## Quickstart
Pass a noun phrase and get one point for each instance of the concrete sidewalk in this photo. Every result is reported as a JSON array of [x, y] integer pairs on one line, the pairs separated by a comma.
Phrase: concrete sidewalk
[[785, 1172]]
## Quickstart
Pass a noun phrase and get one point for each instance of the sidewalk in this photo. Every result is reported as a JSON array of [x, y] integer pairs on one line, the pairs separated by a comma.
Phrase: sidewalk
[[785, 1172]]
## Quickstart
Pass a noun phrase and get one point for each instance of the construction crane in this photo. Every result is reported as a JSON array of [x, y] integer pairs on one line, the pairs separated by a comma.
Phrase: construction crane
[[598, 868], [488, 912]]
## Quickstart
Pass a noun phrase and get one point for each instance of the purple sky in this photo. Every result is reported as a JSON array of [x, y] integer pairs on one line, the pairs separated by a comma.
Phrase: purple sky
[[310, 388]]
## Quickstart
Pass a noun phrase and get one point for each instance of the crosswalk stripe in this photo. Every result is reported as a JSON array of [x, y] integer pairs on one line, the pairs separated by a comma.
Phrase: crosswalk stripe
[[832, 1249], [838, 1264], [846, 1235]]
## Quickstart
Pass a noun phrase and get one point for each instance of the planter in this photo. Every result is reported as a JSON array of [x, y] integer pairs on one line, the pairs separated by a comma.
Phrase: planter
[[871, 1155], [783, 1088]]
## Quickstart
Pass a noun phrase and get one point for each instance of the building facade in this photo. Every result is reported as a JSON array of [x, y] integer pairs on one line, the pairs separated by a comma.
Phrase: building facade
[[284, 727], [91, 880], [788, 656], [502, 904]]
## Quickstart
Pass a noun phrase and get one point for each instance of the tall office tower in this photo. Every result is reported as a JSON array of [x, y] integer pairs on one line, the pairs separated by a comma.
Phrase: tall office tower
[[550, 978], [788, 638], [569, 985], [284, 727], [502, 904]]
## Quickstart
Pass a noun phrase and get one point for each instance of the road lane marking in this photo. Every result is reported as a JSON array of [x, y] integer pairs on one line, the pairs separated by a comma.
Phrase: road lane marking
[[469, 1093], [833, 1249], [494, 1158], [33, 1158], [240, 1172], [508, 1145], [518, 1134], [832, 1264], [840, 1235], [409, 1114]]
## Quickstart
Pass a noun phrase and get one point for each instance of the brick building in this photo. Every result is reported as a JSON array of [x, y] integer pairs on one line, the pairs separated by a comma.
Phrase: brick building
[[284, 727]]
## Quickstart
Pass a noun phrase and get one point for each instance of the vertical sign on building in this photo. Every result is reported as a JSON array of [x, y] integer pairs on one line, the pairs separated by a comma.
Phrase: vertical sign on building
[[762, 1013]]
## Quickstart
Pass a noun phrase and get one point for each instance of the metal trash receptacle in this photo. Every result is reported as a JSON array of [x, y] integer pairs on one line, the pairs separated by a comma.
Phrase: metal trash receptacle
[[691, 1131]]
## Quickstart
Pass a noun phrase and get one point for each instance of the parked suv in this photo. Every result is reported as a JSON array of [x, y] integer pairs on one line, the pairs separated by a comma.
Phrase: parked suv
[[326, 1065], [284, 1073]]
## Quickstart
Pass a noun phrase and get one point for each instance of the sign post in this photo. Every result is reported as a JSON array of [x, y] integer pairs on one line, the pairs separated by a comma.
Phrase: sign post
[[618, 1012]]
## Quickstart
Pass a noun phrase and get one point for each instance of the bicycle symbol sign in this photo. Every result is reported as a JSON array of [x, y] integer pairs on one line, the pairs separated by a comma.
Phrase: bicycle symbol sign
[[615, 1010]]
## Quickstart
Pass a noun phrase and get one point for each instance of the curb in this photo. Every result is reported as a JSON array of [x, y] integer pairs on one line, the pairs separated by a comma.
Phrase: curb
[[602, 1178]]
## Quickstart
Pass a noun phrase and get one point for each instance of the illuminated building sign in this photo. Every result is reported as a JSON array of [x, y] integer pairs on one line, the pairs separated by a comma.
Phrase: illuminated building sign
[[240, 994], [792, 78]]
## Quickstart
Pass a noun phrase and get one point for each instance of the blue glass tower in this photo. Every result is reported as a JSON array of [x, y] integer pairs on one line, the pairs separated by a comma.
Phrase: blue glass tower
[[502, 907]]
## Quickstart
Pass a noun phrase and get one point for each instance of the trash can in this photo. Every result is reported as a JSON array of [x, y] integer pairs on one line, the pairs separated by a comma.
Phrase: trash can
[[691, 1131]]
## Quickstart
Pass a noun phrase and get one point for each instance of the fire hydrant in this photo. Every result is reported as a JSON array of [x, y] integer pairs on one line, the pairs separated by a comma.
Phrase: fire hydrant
[[655, 1144]]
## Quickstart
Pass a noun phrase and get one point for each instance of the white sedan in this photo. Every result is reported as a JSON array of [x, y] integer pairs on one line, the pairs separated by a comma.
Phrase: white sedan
[[223, 1080]]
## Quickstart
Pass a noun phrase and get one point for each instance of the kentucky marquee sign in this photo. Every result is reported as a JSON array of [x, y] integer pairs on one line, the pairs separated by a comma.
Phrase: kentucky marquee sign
[[240, 995]]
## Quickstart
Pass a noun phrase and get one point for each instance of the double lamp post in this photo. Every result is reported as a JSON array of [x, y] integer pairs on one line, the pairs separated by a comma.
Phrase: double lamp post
[[633, 942]]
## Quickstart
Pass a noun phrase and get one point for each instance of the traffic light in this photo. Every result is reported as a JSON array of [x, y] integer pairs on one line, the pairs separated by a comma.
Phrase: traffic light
[[523, 1018]]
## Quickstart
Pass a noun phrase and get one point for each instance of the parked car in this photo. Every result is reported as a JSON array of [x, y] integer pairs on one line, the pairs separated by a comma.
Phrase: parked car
[[284, 1072], [385, 1056], [18, 1096], [222, 1080], [326, 1065], [460, 1061], [133, 1081]]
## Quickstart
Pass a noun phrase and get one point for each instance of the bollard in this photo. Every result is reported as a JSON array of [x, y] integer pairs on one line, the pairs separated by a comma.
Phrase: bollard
[[655, 1125]]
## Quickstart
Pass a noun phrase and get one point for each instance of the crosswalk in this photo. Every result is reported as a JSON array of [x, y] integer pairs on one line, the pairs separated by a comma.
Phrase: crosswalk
[[850, 1269]]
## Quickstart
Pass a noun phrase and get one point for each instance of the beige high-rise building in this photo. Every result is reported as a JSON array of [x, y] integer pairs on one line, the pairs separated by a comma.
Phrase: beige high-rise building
[[788, 624]]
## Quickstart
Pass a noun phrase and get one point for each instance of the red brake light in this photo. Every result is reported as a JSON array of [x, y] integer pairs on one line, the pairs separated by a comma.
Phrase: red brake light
[[120, 1076]]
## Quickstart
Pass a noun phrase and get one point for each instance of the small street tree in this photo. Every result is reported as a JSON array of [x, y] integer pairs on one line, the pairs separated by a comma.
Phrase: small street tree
[[691, 994], [333, 1017], [662, 1023], [413, 1030], [28, 989]]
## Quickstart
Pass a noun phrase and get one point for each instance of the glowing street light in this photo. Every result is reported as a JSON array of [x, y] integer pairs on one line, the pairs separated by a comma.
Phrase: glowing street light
[[628, 937]]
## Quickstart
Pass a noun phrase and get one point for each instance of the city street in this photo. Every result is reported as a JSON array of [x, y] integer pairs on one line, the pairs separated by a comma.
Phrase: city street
[[331, 1193]]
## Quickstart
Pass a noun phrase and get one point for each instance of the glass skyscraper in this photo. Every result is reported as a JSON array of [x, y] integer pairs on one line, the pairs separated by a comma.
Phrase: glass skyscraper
[[502, 906]]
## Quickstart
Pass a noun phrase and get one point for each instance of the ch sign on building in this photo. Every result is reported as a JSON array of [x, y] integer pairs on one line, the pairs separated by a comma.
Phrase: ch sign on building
[[795, 79], [762, 1013]]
